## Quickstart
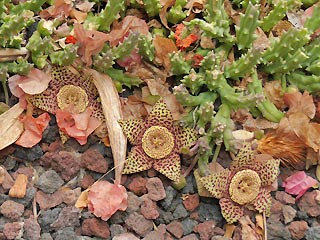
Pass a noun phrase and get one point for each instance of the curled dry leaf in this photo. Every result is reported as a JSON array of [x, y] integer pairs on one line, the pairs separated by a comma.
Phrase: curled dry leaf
[[249, 229], [164, 46], [298, 183], [112, 111], [273, 91], [10, 126], [163, 12], [82, 201], [105, 198], [59, 8]]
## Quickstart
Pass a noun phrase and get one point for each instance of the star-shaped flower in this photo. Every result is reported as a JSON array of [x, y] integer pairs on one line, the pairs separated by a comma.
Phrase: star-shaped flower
[[243, 184], [156, 142], [71, 93]]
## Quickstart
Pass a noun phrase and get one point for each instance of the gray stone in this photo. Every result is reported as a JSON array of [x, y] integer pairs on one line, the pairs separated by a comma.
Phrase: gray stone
[[118, 217], [50, 181], [46, 236], [28, 198], [209, 211], [139, 224], [180, 212], [65, 233], [134, 203], [187, 225], [3, 198], [3, 221], [189, 188], [170, 195], [276, 230], [313, 233], [116, 229], [164, 217], [50, 134], [47, 217], [29, 154], [68, 217], [9, 163]]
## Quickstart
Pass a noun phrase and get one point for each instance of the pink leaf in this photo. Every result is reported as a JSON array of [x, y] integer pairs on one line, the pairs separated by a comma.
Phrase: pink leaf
[[34, 128], [298, 183], [105, 199]]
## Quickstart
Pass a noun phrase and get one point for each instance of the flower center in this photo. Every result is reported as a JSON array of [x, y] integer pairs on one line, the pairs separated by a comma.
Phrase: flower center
[[244, 186], [157, 142], [70, 94]]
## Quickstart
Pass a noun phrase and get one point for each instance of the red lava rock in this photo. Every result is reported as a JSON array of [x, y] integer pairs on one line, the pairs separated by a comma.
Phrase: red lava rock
[[289, 213], [12, 210], [7, 151], [134, 203], [309, 204], [298, 229], [125, 236], [53, 147], [93, 160], [159, 234], [47, 201], [155, 189], [176, 229], [152, 173], [13, 230], [8, 181], [194, 215], [139, 224], [285, 198], [205, 229], [149, 209], [276, 206], [191, 202], [138, 185], [62, 162], [31, 229], [190, 237], [28, 171], [95, 227], [87, 181]]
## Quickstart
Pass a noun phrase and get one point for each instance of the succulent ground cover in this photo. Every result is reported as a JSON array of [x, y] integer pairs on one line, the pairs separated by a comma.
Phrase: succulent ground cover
[[159, 119]]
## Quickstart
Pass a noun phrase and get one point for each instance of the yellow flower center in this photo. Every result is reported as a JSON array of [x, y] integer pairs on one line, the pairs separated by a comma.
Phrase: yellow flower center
[[157, 142], [70, 94], [245, 186]]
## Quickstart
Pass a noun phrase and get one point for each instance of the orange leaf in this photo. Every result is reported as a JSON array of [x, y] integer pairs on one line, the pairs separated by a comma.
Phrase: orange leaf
[[34, 128], [105, 199]]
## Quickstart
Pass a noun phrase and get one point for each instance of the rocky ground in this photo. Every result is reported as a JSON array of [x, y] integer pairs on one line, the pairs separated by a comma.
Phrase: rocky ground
[[58, 173]]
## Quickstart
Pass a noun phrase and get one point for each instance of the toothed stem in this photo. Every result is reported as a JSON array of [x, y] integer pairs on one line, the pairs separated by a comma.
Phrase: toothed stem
[[152, 7], [179, 65]]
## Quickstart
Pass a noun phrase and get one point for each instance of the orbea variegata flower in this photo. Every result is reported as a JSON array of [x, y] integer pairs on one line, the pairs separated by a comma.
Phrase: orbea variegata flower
[[157, 142], [244, 183]]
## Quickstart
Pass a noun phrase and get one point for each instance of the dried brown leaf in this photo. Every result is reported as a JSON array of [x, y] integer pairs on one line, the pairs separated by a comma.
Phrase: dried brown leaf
[[112, 111], [273, 91], [82, 201], [10, 126], [249, 229], [19, 188], [163, 12], [299, 102], [164, 46]]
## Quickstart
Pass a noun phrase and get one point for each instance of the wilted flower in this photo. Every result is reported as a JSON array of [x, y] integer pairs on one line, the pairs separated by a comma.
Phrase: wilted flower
[[157, 142], [243, 184], [71, 94]]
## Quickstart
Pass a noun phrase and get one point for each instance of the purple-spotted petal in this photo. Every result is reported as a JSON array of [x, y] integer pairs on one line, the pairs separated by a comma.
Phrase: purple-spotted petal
[[268, 170], [133, 129], [169, 166], [262, 202], [137, 161], [244, 157], [216, 183], [185, 137], [160, 115], [231, 211]]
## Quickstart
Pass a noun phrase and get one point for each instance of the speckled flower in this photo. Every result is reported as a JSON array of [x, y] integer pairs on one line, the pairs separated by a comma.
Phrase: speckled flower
[[156, 142], [243, 184], [70, 92]]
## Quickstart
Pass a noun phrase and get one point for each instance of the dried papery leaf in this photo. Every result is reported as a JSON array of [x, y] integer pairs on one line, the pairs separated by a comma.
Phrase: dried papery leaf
[[163, 12], [10, 126], [299, 102], [259, 224], [2, 174], [312, 158], [273, 91], [164, 46], [112, 111], [195, 6], [82, 201], [19, 188], [229, 230], [249, 229]]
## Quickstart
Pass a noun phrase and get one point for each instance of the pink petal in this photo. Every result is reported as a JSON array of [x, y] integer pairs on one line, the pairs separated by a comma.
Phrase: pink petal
[[105, 199], [298, 183], [34, 128]]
